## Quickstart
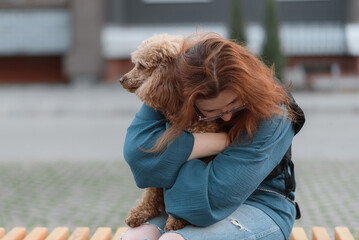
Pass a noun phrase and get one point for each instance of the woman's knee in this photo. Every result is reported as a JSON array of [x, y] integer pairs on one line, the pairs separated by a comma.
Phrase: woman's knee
[[145, 231], [172, 236]]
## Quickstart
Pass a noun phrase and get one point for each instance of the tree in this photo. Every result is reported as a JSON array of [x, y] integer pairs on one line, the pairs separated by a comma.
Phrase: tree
[[236, 22], [271, 50]]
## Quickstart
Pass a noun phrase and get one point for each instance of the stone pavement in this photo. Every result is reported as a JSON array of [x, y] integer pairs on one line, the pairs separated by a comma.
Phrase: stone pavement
[[327, 192], [61, 160], [43, 123]]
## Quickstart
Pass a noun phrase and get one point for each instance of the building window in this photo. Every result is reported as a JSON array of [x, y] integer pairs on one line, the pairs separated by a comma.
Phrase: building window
[[175, 1]]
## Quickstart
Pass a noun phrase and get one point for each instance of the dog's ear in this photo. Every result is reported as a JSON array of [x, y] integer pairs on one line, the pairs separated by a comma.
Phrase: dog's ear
[[158, 50], [161, 91]]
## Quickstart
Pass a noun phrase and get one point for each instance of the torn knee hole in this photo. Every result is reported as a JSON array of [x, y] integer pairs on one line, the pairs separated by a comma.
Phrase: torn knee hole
[[236, 223]]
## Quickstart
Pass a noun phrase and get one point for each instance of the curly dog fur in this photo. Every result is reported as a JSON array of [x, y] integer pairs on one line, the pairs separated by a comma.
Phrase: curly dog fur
[[153, 82]]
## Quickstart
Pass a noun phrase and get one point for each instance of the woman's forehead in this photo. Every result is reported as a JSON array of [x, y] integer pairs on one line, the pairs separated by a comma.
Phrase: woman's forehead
[[223, 99]]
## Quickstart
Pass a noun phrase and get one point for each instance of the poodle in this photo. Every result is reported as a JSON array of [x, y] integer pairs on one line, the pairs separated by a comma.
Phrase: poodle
[[152, 82]]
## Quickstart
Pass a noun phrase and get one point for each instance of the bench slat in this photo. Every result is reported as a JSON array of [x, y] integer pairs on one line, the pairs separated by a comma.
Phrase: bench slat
[[320, 233], [37, 234], [119, 232], [102, 233], [59, 233], [2, 232], [81, 233], [17, 233], [342, 233], [298, 234]]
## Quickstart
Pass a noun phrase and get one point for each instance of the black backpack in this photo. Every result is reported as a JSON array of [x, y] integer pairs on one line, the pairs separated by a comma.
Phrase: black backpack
[[287, 162]]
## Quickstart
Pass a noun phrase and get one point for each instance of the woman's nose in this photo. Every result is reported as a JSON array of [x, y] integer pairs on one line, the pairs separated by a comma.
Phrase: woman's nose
[[226, 117]]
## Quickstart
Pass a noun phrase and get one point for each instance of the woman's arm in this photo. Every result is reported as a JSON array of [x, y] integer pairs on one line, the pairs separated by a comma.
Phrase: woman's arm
[[154, 169], [204, 194], [161, 170], [208, 144]]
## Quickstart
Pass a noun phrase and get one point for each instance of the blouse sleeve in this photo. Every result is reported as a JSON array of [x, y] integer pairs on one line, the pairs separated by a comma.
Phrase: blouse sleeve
[[154, 169], [204, 194]]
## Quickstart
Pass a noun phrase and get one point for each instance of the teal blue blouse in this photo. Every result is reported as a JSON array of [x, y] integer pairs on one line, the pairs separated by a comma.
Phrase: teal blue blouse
[[204, 194]]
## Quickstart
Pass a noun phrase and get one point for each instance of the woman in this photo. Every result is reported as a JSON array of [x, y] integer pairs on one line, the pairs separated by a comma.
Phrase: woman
[[246, 192]]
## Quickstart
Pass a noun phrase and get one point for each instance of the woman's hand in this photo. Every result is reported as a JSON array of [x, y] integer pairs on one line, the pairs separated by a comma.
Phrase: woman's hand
[[208, 144]]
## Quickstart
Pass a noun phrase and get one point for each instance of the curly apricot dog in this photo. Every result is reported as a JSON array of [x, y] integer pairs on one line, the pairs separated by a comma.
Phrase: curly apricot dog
[[151, 80]]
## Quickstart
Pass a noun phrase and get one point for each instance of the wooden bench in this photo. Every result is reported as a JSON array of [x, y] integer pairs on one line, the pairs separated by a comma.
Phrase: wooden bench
[[104, 233], [320, 233], [61, 233]]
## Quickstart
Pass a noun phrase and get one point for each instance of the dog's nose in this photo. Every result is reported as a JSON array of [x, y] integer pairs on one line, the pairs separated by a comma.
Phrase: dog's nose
[[122, 79]]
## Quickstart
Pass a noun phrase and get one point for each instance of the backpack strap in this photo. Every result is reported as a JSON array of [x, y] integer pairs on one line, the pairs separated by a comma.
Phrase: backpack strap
[[285, 166]]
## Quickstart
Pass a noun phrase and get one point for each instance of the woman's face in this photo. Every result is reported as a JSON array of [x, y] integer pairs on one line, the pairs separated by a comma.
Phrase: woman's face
[[225, 101]]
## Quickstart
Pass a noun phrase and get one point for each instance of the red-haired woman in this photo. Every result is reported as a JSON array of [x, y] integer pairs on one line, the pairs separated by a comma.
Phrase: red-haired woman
[[246, 192]]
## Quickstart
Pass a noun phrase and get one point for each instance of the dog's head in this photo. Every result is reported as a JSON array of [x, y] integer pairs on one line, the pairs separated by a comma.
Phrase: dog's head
[[152, 78]]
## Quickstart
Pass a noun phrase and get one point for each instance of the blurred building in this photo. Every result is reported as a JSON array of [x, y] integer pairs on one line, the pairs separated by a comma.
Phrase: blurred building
[[87, 40], [52, 41]]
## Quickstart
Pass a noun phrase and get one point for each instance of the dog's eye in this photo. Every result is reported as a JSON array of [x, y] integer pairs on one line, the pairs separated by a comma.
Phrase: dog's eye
[[141, 66]]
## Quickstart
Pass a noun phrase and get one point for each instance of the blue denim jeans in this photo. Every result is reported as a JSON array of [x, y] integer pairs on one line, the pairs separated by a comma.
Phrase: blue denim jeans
[[247, 222]]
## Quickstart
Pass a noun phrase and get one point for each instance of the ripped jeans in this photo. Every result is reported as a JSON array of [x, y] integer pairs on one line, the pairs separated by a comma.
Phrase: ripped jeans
[[247, 222]]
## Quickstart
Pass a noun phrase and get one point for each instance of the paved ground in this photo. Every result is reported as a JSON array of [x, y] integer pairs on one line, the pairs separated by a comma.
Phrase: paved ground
[[61, 158]]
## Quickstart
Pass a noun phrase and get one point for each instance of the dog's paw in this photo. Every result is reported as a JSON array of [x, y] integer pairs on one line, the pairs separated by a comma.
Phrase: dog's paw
[[134, 221], [173, 224]]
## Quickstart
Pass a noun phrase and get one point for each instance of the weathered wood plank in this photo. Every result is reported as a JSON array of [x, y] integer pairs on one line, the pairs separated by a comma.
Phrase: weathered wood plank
[[59, 233], [81, 233], [342, 233], [102, 233], [320, 233], [2, 232], [298, 234], [17, 233], [119, 232], [37, 234]]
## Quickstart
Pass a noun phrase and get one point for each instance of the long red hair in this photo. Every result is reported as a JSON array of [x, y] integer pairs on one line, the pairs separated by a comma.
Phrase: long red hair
[[209, 64]]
